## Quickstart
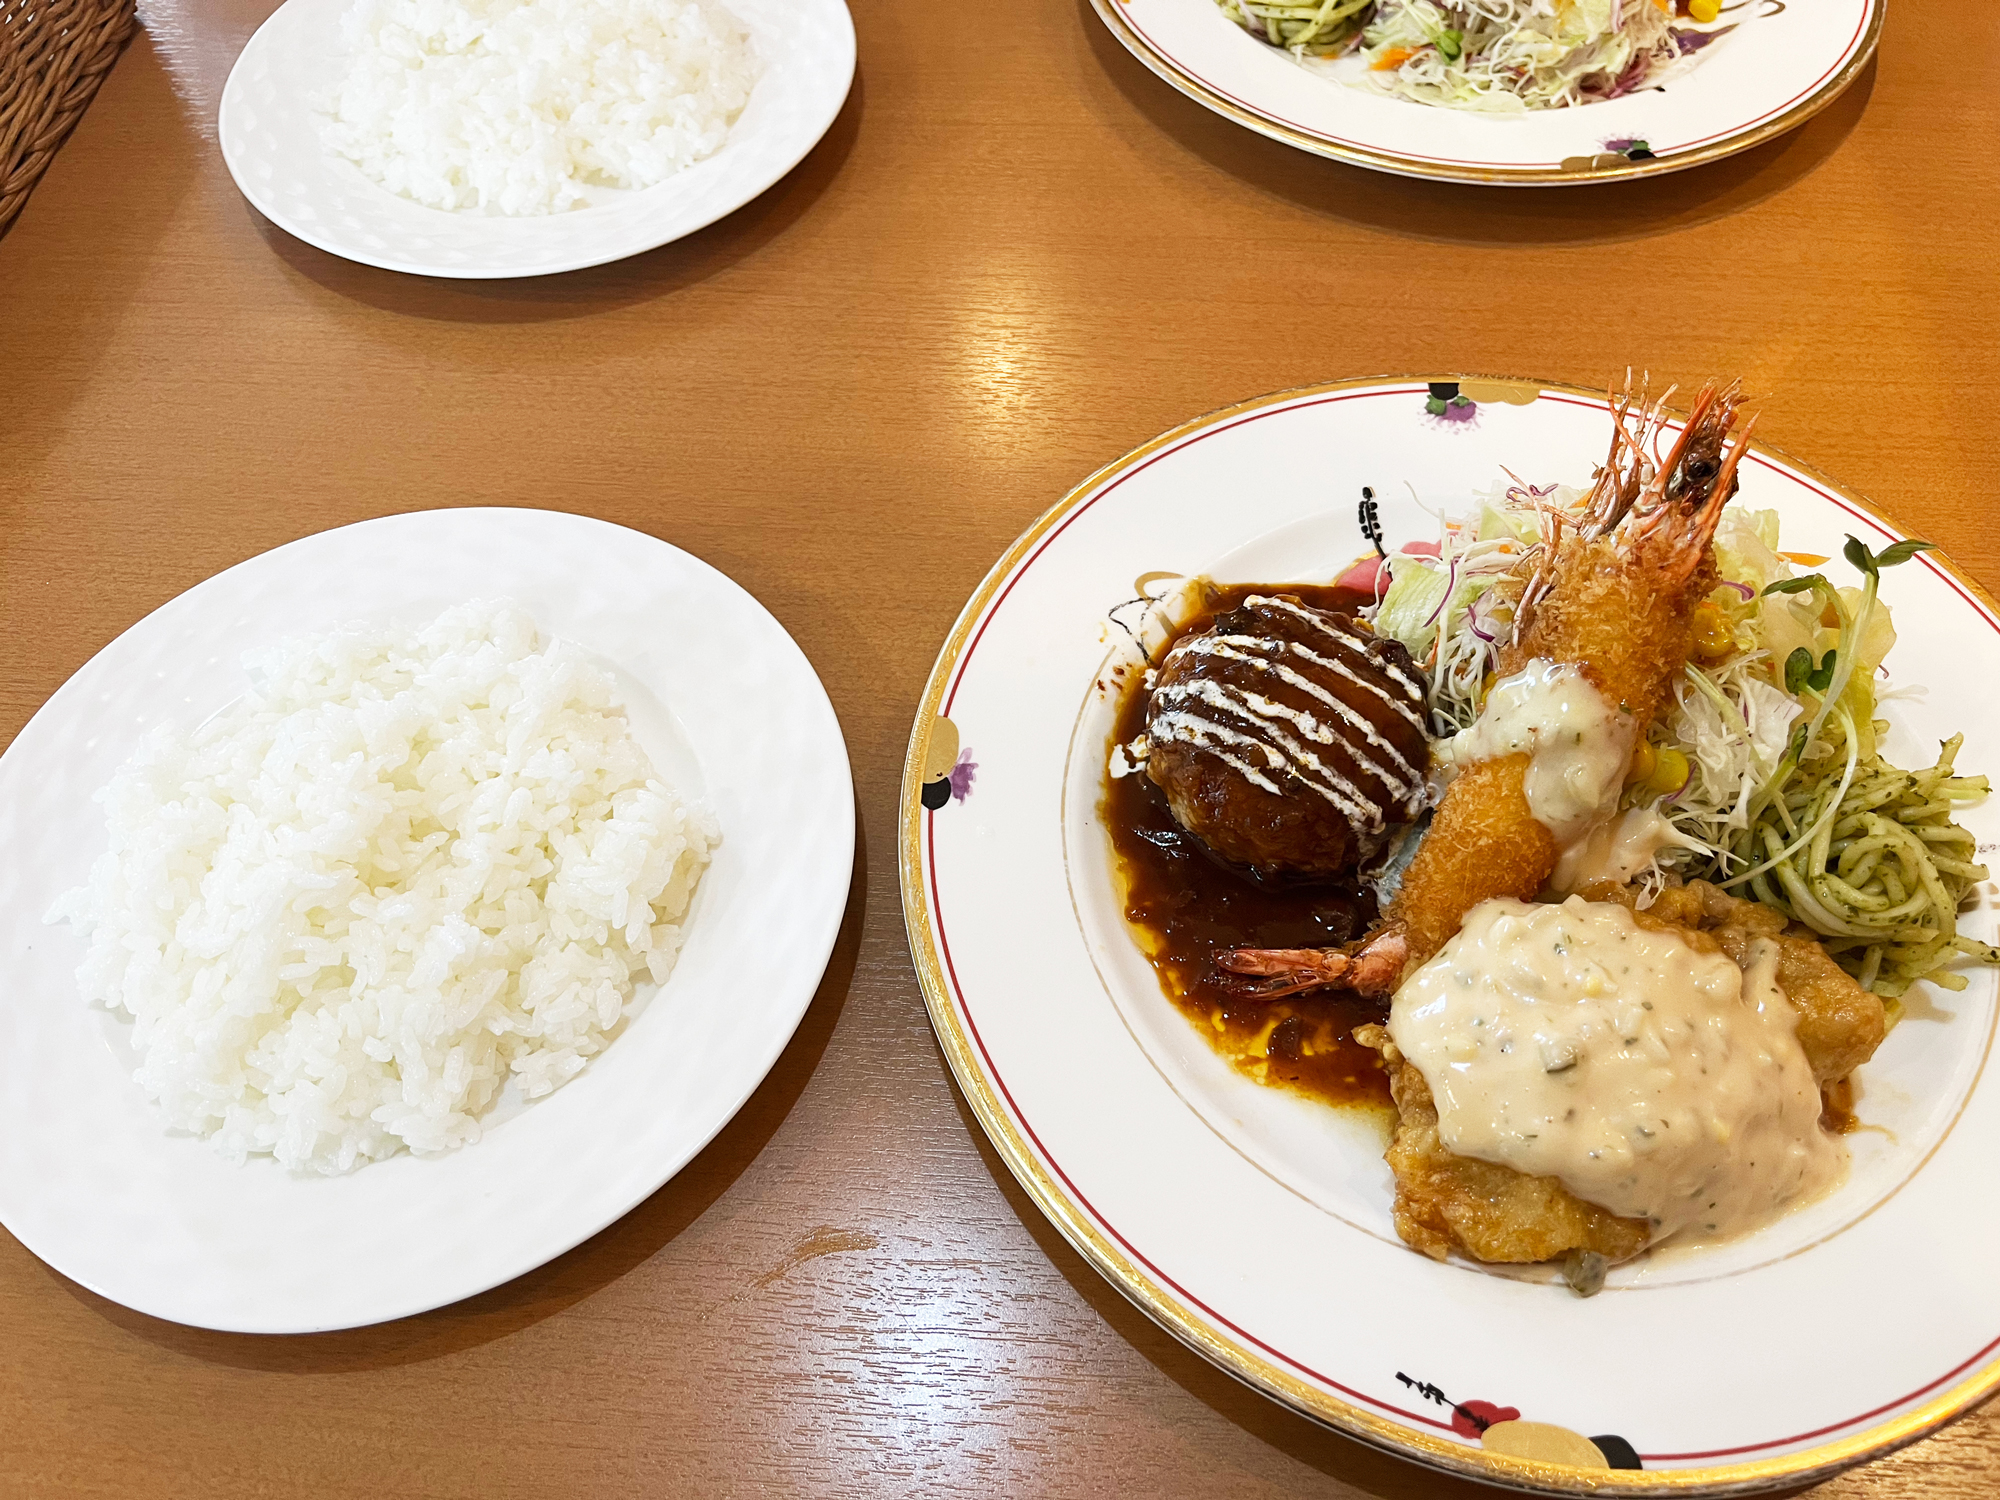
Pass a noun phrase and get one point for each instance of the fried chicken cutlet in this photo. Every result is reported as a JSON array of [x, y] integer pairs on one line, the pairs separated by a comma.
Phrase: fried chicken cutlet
[[1492, 1212]]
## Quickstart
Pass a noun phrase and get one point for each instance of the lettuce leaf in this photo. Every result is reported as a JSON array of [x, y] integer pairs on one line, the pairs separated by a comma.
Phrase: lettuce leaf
[[1410, 612], [1407, 609], [1746, 548]]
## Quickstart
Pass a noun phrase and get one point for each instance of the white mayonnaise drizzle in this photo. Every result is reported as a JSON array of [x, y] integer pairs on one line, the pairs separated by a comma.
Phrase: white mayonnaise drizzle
[[1653, 1079], [1618, 851], [1354, 641], [1580, 745], [1260, 737]]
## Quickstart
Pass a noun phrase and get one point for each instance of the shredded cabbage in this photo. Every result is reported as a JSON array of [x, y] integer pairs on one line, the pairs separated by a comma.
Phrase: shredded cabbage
[[1481, 565], [1733, 726], [1409, 606], [1502, 56]]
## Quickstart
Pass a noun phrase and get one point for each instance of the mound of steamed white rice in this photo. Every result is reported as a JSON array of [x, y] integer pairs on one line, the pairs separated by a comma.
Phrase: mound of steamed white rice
[[405, 867], [516, 105]]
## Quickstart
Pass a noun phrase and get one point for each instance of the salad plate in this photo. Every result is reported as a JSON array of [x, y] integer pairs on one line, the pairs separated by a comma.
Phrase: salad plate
[[270, 125], [722, 701], [1255, 1224], [1762, 67]]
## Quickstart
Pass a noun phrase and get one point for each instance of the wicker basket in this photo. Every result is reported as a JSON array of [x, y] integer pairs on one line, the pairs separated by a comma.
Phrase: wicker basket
[[53, 55]]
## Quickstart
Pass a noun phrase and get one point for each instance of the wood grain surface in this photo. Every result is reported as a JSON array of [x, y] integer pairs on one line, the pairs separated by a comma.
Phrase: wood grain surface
[[1016, 256]]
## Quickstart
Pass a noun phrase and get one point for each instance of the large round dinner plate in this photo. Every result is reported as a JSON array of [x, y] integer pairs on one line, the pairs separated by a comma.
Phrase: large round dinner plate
[[269, 126], [729, 710], [1778, 65], [1255, 1224]]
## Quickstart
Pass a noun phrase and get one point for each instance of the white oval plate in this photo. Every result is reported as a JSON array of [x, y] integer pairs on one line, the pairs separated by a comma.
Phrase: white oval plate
[[1785, 61], [1256, 1225], [729, 709], [269, 125]]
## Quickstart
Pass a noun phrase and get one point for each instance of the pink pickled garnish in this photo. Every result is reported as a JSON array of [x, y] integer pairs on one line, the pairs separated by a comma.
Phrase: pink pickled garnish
[[1370, 574]]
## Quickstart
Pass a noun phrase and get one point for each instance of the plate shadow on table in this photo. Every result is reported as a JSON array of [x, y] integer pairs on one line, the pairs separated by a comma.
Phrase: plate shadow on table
[[1345, 1459], [573, 1276], [638, 278], [1460, 213]]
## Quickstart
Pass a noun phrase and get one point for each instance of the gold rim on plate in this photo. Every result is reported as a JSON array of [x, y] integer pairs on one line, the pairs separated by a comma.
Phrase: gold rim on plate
[[1112, 14], [1170, 1311]]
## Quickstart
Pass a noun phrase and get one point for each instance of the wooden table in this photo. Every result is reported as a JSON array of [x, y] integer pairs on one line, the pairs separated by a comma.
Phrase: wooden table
[[1014, 257]]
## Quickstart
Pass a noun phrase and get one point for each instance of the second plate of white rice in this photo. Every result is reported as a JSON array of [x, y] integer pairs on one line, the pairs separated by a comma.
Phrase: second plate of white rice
[[499, 138], [535, 106], [456, 876]]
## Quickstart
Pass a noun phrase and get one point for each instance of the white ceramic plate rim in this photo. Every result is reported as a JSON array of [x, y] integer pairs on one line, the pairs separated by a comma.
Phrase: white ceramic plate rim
[[748, 728]]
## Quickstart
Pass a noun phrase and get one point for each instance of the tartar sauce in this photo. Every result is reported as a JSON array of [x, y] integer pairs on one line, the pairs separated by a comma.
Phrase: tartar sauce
[[1580, 745], [1655, 1080], [1617, 851]]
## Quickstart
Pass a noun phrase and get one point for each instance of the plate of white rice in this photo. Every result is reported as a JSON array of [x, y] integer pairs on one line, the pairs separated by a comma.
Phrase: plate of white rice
[[391, 912], [494, 138]]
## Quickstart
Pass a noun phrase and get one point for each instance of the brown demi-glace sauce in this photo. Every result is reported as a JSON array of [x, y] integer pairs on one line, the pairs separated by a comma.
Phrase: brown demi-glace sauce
[[1185, 904]]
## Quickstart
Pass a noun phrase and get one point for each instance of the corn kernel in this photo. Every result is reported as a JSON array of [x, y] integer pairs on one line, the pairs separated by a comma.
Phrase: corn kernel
[[1669, 773], [1643, 760], [1713, 637], [1704, 10]]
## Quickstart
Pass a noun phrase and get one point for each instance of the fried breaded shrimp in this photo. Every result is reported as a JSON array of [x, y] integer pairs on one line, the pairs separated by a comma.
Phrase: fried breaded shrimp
[[1484, 842], [1621, 608], [1614, 597]]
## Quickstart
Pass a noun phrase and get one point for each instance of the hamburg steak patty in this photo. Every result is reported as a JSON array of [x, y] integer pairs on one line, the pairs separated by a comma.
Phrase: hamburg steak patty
[[1289, 739]]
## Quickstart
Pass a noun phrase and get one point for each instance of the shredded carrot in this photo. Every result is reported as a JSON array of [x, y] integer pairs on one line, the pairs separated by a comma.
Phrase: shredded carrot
[[1803, 559], [1394, 58]]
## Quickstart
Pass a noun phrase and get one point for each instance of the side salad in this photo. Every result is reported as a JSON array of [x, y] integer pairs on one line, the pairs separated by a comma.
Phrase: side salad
[[1502, 56], [1768, 768]]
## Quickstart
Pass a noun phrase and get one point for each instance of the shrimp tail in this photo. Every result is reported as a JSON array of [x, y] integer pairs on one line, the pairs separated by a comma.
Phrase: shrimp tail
[[1626, 470], [1674, 523], [1371, 968], [1660, 509]]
